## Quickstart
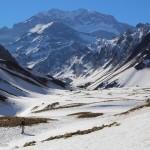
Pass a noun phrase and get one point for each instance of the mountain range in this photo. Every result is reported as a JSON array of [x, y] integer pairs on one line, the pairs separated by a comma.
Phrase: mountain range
[[82, 47]]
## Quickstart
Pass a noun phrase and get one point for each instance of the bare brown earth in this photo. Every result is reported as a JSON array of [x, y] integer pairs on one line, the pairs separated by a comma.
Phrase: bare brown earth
[[16, 121], [86, 114]]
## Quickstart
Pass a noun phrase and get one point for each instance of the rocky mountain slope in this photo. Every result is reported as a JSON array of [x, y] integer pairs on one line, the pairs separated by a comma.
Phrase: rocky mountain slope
[[125, 60]]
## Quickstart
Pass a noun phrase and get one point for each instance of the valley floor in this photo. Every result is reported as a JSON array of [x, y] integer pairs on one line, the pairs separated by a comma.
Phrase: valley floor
[[110, 119]]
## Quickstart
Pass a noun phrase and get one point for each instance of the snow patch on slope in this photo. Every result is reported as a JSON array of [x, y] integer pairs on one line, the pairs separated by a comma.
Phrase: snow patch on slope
[[39, 28]]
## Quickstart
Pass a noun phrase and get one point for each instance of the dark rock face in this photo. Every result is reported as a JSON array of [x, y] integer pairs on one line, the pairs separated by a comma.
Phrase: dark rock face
[[140, 66], [5, 55], [107, 85], [3, 98]]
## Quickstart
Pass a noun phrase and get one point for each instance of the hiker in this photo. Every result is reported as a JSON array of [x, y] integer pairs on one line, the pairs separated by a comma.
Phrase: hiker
[[22, 126]]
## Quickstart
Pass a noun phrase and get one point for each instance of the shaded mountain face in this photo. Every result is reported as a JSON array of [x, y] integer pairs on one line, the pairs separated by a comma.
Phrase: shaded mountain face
[[17, 81], [53, 40], [94, 23]]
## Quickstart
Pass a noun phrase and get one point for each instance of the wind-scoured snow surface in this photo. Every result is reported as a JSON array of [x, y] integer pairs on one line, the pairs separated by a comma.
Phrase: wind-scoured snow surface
[[131, 133]]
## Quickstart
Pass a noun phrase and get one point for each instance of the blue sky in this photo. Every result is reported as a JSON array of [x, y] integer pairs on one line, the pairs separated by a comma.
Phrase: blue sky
[[129, 11]]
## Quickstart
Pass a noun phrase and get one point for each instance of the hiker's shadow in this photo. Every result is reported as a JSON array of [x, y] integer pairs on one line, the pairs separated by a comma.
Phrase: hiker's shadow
[[28, 134]]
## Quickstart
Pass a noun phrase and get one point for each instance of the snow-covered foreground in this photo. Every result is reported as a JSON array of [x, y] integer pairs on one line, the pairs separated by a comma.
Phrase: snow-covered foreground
[[131, 133]]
